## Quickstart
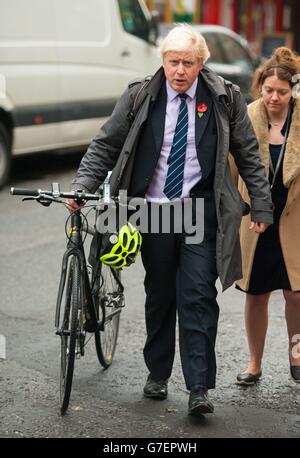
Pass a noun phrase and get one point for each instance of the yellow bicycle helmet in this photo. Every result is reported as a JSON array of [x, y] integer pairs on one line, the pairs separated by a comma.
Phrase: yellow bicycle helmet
[[121, 249]]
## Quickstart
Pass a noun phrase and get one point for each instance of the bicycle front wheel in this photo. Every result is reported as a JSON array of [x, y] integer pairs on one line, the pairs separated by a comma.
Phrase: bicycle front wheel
[[69, 332], [109, 302]]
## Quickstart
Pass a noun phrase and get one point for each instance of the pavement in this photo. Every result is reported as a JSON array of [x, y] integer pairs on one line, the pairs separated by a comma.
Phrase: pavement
[[109, 403]]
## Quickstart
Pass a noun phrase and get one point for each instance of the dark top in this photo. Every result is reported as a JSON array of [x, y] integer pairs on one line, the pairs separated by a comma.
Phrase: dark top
[[268, 270]]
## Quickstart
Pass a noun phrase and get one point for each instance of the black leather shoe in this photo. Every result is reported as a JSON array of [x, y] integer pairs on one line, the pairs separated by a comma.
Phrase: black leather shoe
[[156, 389], [295, 373], [248, 379], [199, 403]]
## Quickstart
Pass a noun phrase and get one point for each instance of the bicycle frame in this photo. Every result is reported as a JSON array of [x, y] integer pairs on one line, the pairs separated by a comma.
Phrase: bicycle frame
[[75, 248]]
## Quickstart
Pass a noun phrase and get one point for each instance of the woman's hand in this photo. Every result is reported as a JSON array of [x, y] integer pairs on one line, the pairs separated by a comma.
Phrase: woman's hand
[[259, 228]]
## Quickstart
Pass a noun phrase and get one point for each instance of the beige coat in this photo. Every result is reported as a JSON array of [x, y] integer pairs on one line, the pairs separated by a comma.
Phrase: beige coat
[[289, 225]]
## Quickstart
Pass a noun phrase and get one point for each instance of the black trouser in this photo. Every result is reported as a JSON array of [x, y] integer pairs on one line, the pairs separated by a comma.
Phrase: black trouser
[[182, 277]]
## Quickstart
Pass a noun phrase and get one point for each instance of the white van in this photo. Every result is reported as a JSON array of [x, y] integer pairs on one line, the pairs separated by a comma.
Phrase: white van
[[63, 64]]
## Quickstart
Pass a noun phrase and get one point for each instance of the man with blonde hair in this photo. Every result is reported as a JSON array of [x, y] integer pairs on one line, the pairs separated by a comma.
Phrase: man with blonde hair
[[168, 140]]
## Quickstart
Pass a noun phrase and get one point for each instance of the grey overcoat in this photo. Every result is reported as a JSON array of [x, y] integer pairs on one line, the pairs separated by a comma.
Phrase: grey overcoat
[[114, 149]]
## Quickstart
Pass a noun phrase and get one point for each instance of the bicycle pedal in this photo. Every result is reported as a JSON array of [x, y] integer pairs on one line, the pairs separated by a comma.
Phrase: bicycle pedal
[[115, 302], [120, 303]]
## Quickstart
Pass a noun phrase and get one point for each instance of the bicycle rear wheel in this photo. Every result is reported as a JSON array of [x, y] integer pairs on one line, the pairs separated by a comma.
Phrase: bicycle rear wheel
[[69, 333], [109, 301]]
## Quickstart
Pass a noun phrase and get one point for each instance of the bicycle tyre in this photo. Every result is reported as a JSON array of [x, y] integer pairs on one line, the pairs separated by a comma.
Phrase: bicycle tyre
[[69, 334], [110, 299]]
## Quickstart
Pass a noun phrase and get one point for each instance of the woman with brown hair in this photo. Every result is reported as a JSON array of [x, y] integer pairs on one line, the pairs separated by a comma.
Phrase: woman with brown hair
[[271, 260]]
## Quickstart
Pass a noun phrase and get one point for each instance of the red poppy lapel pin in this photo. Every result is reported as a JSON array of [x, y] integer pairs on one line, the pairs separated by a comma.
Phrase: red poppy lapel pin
[[201, 109]]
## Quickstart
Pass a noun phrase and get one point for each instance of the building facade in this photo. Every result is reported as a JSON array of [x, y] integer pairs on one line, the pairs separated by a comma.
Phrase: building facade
[[264, 23]]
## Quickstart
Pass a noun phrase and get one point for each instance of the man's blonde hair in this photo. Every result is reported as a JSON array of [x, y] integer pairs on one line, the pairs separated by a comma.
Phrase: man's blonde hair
[[184, 38]]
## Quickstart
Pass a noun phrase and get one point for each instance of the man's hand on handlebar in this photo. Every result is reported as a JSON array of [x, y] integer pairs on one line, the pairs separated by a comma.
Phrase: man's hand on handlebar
[[73, 205]]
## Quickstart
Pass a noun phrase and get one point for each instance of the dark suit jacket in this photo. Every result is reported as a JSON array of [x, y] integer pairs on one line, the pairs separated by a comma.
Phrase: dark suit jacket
[[151, 140]]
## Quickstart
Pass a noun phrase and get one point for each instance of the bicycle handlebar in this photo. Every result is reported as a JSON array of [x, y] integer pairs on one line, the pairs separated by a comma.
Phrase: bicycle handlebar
[[77, 195], [46, 197]]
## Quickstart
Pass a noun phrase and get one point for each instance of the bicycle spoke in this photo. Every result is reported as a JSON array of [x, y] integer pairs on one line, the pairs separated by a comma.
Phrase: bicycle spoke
[[109, 302]]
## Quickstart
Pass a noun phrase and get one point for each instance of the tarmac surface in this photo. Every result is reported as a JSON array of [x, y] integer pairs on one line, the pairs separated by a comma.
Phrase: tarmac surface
[[109, 403]]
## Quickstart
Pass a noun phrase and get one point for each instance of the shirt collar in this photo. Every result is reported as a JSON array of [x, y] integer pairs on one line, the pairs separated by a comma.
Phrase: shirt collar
[[191, 92]]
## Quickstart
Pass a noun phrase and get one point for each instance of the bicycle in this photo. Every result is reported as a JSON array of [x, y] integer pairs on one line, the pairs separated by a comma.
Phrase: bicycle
[[90, 299]]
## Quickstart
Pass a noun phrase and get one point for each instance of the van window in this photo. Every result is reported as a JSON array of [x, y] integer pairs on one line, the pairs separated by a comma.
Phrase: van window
[[133, 18]]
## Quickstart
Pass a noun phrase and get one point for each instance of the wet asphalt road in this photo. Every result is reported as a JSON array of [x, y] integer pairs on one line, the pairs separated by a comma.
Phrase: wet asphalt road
[[109, 403]]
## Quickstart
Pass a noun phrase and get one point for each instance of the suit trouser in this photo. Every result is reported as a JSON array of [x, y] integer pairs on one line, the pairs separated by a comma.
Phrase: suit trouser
[[181, 277]]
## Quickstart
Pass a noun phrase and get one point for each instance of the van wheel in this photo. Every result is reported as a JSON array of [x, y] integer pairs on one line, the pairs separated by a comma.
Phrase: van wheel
[[5, 155]]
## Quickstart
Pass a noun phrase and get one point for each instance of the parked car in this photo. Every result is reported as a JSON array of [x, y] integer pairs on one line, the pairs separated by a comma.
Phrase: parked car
[[230, 55]]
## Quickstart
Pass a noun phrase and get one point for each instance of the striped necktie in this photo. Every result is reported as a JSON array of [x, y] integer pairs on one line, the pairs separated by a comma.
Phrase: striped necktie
[[176, 159]]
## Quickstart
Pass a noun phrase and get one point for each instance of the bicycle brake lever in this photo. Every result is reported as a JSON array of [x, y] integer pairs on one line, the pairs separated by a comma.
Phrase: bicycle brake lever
[[28, 198], [46, 201]]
